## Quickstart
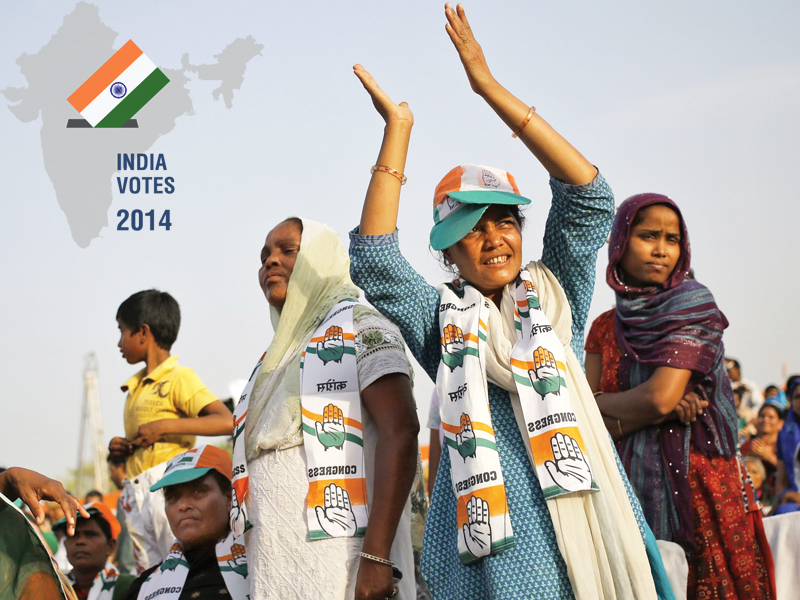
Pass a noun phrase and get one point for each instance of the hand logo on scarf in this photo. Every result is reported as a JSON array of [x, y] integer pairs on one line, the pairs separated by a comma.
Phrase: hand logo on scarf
[[330, 432], [238, 562], [236, 510], [332, 347], [570, 469], [545, 376], [478, 533], [172, 562], [465, 441], [336, 518], [454, 350], [530, 291]]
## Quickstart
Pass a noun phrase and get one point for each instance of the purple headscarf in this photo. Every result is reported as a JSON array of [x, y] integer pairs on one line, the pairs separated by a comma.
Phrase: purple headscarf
[[676, 324]]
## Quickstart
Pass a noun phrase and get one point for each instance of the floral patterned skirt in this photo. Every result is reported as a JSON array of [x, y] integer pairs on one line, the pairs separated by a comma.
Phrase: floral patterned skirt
[[732, 560]]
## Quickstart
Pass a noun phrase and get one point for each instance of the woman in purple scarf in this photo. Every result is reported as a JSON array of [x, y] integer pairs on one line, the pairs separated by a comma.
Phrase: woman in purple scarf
[[656, 366]]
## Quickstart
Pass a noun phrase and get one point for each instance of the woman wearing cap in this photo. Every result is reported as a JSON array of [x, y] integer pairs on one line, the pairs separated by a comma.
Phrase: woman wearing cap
[[656, 365], [530, 501]]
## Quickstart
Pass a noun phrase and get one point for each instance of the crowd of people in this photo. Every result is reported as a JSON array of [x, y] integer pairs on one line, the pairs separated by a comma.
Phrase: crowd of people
[[552, 475]]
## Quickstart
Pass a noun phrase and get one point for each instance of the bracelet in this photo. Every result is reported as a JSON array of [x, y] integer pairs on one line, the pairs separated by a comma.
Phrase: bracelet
[[596, 394], [383, 561], [524, 122], [619, 426], [390, 171]]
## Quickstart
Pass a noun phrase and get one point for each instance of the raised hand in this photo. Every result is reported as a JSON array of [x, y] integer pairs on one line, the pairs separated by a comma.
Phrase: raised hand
[[469, 50], [544, 376], [330, 432], [332, 346], [478, 530], [569, 468], [120, 448], [390, 111], [31, 487], [336, 516], [465, 440], [454, 349]]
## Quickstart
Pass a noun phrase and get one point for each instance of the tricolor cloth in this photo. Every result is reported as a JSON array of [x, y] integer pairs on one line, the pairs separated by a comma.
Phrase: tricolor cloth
[[167, 581], [194, 464], [104, 584], [118, 89], [538, 366], [336, 505], [95, 508]]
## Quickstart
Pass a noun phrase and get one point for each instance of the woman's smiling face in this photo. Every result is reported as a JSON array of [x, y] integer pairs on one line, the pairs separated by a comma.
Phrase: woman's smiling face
[[490, 255]]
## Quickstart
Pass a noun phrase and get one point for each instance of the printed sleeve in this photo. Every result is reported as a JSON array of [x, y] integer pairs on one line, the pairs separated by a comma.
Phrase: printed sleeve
[[190, 395], [379, 348], [399, 293], [577, 227]]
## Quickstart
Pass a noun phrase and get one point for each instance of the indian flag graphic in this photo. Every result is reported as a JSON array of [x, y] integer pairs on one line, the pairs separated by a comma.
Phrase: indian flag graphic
[[119, 89]]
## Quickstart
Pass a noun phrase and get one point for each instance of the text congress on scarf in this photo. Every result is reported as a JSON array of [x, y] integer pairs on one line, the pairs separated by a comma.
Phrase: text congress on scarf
[[474, 480], [554, 419], [334, 470], [164, 590]]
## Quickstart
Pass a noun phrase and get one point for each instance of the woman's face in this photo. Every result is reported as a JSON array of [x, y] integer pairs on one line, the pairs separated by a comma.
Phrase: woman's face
[[654, 247], [769, 421], [490, 255], [277, 262]]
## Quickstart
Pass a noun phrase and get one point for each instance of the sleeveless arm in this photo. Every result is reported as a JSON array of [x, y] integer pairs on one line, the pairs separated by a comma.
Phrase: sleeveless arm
[[577, 227], [393, 287]]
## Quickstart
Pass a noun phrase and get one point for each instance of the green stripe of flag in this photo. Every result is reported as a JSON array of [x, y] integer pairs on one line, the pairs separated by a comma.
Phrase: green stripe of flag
[[522, 380], [480, 442], [348, 437], [482, 335], [133, 102], [471, 351], [347, 350]]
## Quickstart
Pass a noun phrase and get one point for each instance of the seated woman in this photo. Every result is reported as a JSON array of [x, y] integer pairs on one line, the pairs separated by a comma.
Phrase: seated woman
[[788, 445], [328, 482], [530, 501], [764, 447], [664, 339]]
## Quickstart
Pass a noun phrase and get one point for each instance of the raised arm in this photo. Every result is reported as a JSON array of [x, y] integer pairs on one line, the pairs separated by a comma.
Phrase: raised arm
[[379, 215], [555, 153]]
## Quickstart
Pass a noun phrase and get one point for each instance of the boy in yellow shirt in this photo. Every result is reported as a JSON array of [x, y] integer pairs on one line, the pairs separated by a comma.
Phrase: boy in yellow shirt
[[167, 406]]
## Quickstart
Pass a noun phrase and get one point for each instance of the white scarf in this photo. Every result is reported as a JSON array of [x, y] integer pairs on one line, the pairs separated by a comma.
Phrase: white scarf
[[103, 584], [597, 533], [167, 581]]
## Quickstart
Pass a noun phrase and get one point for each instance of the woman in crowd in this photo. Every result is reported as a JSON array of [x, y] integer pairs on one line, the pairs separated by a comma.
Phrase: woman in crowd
[[764, 447], [664, 340], [325, 483], [788, 444], [495, 528]]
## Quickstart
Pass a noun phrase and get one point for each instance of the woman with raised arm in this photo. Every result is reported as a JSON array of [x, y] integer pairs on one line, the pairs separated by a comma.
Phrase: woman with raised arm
[[531, 501], [655, 363], [325, 434]]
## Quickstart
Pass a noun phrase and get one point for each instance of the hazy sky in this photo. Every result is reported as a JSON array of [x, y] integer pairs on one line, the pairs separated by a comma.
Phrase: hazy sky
[[695, 100]]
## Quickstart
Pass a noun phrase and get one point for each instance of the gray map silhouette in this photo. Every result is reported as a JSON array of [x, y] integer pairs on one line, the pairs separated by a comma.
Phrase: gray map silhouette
[[80, 162]]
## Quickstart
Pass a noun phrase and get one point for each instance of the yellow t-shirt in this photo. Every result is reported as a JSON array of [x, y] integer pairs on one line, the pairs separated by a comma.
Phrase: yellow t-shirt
[[171, 391]]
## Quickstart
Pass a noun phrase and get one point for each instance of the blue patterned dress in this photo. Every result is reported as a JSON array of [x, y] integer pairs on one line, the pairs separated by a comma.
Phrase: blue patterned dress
[[579, 221]]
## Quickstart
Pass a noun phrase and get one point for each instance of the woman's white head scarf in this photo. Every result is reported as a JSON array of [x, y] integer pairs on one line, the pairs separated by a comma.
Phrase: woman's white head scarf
[[320, 279]]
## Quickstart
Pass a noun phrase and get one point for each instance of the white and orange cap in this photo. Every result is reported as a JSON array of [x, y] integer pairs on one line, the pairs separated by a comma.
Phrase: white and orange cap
[[194, 464], [463, 195]]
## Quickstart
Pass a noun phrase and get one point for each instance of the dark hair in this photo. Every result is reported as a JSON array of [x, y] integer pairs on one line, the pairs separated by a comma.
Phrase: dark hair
[[773, 406], [770, 388], [158, 310], [94, 493], [639, 217], [734, 362], [447, 266], [223, 482], [115, 460], [105, 526]]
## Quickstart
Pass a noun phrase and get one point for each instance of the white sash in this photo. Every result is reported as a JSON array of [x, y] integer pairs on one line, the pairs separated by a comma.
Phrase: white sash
[[336, 505], [240, 482], [167, 581], [538, 366], [103, 584]]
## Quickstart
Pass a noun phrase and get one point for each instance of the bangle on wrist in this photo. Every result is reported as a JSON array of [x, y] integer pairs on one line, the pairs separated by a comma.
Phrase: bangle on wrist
[[524, 122], [376, 559], [394, 172], [619, 426]]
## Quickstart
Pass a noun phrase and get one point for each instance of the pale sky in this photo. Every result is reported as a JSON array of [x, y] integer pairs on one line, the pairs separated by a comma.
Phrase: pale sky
[[695, 100]]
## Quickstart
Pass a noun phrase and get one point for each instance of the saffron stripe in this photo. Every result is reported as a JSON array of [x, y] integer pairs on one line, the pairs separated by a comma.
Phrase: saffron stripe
[[104, 76], [315, 417], [106, 102], [135, 100]]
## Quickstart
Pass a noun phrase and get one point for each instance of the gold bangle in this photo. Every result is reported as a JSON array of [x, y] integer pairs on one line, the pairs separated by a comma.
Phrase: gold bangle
[[402, 178], [524, 122], [596, 394], [619, 426]]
